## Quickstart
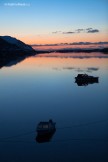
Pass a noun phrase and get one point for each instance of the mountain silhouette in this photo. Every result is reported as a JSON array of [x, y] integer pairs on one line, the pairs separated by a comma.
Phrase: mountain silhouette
[[12, 49]]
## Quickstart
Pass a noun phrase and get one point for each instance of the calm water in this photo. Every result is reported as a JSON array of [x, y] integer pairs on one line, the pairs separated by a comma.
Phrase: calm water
[[43, 87]]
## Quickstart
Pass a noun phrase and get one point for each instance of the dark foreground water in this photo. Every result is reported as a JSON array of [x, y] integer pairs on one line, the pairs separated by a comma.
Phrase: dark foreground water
[[43, 87]]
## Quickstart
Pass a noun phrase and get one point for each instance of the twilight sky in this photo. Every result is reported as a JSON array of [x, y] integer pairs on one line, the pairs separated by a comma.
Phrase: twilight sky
[[54, 21]]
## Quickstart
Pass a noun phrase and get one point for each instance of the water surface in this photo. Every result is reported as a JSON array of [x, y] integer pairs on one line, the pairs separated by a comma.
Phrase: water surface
[[43, 87]]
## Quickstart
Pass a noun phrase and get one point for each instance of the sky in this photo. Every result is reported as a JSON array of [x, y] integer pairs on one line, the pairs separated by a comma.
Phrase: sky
[[54, 21]]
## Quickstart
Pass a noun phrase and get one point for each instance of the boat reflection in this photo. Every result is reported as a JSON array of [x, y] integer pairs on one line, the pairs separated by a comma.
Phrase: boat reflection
[[85, 83], [84, 79], [45, 131]]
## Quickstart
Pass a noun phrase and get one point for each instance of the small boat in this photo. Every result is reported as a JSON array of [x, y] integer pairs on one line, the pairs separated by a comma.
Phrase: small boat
[[45, 127], [86, 78], [45, 131]]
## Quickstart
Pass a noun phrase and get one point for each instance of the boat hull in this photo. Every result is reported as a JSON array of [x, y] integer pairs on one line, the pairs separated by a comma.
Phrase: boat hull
[[91, 79]]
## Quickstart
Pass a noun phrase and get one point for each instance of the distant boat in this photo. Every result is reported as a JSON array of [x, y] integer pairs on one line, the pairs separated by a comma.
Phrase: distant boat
[[84, 79], [45, 127], [45, 131]]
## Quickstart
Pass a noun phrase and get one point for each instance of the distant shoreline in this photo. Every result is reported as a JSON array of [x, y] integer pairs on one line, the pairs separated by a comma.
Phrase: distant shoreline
[[12, 49], [104, 51]]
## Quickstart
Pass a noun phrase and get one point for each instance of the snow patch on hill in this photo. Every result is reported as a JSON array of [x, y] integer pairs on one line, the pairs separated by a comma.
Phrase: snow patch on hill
[[16, 42]]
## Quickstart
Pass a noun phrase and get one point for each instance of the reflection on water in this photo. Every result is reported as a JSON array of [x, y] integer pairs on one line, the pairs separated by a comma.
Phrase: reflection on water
[[39, 88], [85, 79], [45, 137], [11, 62], [85, 83], [74, 55]]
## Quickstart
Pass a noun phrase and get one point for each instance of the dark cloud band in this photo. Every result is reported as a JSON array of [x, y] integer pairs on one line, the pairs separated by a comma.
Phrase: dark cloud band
[[88, 30]]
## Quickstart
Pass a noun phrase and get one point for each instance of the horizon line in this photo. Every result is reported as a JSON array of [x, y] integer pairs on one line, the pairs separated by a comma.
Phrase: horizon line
[[74, 43]]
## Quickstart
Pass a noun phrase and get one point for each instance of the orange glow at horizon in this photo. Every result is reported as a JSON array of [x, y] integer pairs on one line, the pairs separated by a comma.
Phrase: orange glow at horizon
[[54, 39]]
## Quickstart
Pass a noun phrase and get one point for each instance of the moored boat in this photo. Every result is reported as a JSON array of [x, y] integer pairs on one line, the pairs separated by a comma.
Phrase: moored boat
[[45, 131], [45, 127], [86, 78]]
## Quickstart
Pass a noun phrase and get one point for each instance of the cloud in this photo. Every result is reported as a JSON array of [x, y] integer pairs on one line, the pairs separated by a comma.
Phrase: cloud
[[90, 30], [88, 43], [70, 32], [56, 32], [78, 69], [79, 30], [93, 31], [67, 32], [87, 30], [100, 44]]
